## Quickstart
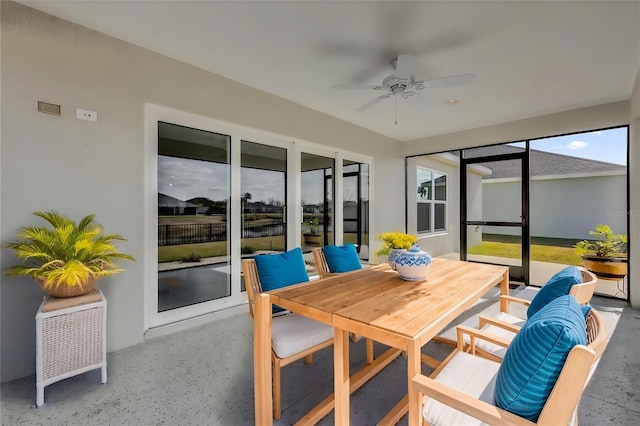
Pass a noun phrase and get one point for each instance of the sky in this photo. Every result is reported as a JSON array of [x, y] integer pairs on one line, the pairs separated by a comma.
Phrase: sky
[[606, 145]]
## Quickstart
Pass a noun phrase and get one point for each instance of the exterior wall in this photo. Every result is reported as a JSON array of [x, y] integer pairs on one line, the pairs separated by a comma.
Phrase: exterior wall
[[562, 207], [80, 167], [446, 242]]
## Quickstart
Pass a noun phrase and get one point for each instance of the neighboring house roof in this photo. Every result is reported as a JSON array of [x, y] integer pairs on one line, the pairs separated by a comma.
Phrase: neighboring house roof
[[169, 201], [542, 163]]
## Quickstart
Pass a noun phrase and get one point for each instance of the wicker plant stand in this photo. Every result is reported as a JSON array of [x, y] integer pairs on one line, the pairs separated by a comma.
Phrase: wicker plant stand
[[71, 339]]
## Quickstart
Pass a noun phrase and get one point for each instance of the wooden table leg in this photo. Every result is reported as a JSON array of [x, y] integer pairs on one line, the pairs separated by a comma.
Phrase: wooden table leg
[[262, 360], [413, 368], [341, 375], [504, 290]]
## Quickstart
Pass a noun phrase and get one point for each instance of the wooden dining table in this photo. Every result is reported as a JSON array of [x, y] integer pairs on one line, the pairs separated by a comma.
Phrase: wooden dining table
[[377, 304]]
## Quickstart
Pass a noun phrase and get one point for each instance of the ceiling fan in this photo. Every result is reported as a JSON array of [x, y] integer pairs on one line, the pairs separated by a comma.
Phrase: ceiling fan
[[402, 82]]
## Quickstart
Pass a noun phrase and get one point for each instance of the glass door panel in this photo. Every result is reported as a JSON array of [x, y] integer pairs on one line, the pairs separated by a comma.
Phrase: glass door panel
[[500, 245], [263, 199], [193, 221], [316, 200], [567, 174], [355, 206], [493, 213]]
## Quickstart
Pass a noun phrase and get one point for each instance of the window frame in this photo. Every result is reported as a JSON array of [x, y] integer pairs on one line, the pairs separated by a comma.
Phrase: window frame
[[432, 202]]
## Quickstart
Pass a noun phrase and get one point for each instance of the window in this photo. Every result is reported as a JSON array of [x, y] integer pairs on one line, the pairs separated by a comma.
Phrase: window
[[431, 197]]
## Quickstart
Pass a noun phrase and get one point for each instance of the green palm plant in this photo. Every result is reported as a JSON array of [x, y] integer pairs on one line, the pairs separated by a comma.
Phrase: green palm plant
[[66, 254], [606, 244]]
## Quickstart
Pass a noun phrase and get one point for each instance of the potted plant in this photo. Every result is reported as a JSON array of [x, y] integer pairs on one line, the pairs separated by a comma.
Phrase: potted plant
[[606, 255], [394, 243], [66, 259], [312, 235]]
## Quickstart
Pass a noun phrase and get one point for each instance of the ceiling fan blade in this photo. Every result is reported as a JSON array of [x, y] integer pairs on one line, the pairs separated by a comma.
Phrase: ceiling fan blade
[[358, 87], [406, 66], [373, 102], [453, 80]]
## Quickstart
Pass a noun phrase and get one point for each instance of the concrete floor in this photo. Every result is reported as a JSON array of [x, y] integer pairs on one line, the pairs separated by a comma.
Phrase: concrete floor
[[203, 376]]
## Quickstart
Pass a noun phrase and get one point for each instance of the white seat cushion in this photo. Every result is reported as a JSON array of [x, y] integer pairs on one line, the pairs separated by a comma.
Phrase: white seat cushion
[[498, 350], [466, 373], [511, 319], [293, 333]]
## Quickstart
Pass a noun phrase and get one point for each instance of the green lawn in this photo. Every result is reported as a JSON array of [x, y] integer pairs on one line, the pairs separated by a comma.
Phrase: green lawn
[[179, 252], [553, 250]]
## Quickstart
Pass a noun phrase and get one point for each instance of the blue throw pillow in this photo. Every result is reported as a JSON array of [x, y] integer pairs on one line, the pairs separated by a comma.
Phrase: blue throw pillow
[[558, 285], [281, 270], [342, 258], [536, 356]]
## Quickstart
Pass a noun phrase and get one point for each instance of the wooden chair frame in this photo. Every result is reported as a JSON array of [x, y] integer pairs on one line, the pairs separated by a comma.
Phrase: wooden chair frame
[[560, 407], [583, 293], [321, 263], [254, 287]]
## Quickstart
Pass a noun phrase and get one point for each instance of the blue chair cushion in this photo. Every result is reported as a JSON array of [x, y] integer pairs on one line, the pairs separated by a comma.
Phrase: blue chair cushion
[[558, 285], [536, 355], [342, 258], [281, 270]]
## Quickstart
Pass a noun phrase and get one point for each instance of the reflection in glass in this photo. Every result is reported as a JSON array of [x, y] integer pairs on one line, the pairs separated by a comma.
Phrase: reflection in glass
[[263, 189], [193, 232], [316, 200], [424, 184], [440, 183], [356, 206]]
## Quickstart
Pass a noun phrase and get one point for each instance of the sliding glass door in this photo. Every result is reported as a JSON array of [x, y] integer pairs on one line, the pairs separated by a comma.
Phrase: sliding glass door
[[263, 191], [219, 193], [316, 201], [355, 206], [193, 220]]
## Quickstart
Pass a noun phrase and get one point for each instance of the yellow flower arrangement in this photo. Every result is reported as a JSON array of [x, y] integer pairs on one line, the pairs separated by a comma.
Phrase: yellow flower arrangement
[[395, 240]]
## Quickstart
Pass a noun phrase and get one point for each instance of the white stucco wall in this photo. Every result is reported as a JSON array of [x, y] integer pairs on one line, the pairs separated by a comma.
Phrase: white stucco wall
[[440, 243], [81, 167], [562, 207]]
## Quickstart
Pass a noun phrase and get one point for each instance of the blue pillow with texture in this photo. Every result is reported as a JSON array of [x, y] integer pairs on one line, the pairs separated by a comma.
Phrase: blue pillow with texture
[[558, 285], [342, 258], [281, 270], [536, 355]]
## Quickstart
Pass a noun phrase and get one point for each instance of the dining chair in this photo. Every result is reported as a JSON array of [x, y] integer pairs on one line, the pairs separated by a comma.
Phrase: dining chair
[[341, 259], [293, 336], [540, 380], [576, 281], [331, 259]]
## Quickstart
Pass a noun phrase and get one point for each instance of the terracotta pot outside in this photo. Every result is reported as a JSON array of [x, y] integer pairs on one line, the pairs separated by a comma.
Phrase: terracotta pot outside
[[312, 238], [69, 291], [615, 268]]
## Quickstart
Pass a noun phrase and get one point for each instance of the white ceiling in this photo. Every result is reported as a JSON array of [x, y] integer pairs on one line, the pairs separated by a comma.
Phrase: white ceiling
[[530, 58]]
